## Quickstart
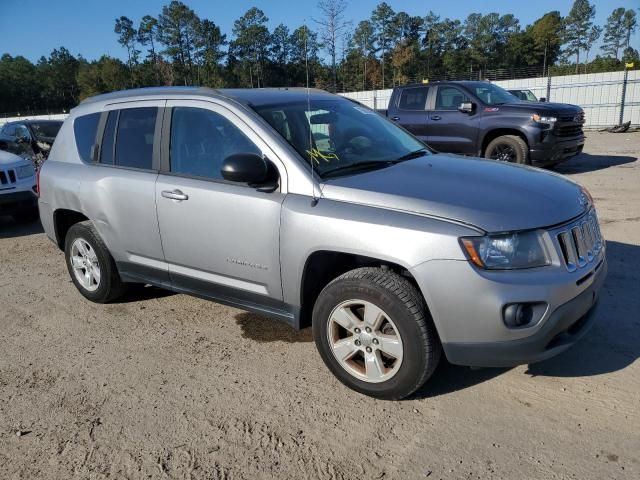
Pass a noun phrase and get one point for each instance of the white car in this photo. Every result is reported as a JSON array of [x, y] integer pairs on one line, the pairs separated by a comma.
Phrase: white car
[[18, 188]]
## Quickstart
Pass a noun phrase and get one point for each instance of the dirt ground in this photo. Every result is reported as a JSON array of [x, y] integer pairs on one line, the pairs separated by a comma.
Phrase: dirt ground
[[169, 386]]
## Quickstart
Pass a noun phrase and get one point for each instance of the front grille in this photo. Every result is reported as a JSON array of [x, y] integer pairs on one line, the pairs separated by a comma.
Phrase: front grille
[[574, 117], [7, 177], [581, 242], [569, 130]]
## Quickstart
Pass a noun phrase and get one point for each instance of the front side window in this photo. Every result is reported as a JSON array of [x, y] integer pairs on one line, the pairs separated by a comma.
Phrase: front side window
[[134, 137], [338, 136], [449, 98], [84, 129], [23, 132], [414, 98], [201, 140]]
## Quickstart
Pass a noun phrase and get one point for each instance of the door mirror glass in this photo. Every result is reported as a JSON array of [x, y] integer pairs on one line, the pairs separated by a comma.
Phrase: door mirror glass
[[246, 168], [542, 99], [466, 107]]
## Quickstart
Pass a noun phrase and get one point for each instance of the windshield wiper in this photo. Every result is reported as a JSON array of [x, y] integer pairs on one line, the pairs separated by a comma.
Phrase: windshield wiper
[[357, 167], [411, 155]]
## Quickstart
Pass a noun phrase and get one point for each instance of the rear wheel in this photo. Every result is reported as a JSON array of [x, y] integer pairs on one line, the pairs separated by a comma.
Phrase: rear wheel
[[508, 148], [91, 266], [374, 332]]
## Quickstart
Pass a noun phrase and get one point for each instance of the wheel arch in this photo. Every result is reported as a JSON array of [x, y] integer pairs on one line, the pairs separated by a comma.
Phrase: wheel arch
[[323, 266], [63, 220], [499, 132]]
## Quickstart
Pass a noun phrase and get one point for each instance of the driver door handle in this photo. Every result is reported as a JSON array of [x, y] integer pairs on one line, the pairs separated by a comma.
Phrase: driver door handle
[[395, 119], [175, 195], [436, 117]]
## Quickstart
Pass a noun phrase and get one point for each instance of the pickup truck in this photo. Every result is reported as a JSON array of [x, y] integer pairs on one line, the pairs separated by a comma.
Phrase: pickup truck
[[482, 119]]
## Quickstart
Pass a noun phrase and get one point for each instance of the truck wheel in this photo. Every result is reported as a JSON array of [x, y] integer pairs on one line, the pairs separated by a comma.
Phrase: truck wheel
[[508, 148], [90, 264], [374, 332]]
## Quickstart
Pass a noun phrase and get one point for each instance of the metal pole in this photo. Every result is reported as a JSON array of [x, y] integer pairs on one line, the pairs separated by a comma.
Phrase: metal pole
[[624, 94], [548, 86]]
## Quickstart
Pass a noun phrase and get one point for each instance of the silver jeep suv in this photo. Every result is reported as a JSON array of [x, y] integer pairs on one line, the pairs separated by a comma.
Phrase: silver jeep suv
[[313, 209]]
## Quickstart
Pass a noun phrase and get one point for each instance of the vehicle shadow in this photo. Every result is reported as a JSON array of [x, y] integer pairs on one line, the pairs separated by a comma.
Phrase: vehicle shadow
[[586, 162], [10, 229], [614, 341], [138, 292], [264, 329]]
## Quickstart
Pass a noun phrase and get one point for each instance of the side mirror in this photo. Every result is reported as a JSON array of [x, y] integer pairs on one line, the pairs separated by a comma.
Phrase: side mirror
[[542, 99], [251, 169], [466, 107]]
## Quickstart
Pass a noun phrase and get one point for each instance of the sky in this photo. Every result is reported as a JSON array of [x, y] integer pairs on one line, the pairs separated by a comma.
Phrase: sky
[[33, 28]]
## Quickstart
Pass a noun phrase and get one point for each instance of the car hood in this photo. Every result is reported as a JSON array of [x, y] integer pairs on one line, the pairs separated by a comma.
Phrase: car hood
[[543, 107], [491, 195], [8, 159]]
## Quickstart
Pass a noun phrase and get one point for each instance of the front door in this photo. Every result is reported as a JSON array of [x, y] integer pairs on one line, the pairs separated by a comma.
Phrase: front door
[[220, 239], [450, 130]]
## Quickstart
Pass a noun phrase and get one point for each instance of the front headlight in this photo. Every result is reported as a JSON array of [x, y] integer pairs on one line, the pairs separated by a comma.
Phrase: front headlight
[[25, 171], [506, 251], [543, 119]]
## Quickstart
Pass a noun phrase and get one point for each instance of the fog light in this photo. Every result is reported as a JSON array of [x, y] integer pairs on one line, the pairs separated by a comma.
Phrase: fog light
[[518, 314]]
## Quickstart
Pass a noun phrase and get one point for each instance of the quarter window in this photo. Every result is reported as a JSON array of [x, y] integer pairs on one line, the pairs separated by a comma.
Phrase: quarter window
[[84, 129], [134, 140], [201, 140], [414, 98], [449, 98]]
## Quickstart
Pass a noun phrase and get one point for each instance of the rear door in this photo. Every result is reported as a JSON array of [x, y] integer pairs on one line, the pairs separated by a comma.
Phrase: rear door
[[119, 188], [450, 130], [410, 110]]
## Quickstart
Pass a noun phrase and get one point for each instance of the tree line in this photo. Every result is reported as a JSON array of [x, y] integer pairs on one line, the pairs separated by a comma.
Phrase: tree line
[[177, 47]]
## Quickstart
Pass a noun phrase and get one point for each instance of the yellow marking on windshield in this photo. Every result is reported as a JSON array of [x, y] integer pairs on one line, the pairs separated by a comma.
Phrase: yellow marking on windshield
[[316, 155]]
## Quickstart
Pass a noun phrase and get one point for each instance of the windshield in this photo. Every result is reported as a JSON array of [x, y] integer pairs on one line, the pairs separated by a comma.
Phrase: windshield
[[46, 129], [338, 134], [492, 94]]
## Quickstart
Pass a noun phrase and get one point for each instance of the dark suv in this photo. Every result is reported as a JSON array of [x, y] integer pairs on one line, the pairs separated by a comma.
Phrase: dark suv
[[482, 119]]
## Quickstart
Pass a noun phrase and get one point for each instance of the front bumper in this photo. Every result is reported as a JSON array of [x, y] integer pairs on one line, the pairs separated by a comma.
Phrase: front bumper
[[12, 201], [467, 306], [564, 327], [553, 149]]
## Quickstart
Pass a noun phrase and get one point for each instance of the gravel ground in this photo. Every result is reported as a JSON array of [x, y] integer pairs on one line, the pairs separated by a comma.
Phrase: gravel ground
[[169, 386]]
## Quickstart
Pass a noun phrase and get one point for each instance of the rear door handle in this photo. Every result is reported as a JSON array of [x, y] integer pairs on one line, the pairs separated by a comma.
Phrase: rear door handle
[[175, 195], [436, 117], [395, 119]]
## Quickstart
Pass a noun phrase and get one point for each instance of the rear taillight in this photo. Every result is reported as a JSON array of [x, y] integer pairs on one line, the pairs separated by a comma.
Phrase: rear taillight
[[38, 182]]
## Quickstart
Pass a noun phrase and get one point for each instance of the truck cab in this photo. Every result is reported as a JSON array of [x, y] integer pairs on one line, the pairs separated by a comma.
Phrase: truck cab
[[482, 119]]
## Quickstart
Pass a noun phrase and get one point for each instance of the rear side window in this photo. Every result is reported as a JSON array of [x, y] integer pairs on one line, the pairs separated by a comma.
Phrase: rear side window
[[106, 154], [414, 98], [84, 129], [134, 137]]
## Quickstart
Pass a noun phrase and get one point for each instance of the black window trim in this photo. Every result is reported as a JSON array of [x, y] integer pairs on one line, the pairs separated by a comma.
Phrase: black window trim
[[155, 156], [426, 100]]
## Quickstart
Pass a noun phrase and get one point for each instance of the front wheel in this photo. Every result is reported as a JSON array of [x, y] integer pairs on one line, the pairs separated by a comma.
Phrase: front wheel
[[374, 332], [508, 148]]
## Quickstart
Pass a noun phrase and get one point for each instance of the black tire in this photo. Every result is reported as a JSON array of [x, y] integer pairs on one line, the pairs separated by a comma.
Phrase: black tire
[[508, 148], [404, 304], [26, 215], [110, 286]]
